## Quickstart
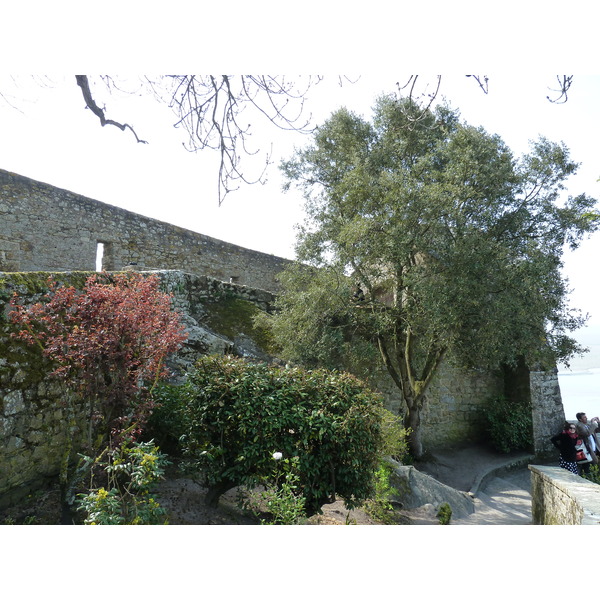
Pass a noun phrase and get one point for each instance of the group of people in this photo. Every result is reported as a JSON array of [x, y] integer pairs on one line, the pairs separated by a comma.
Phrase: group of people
[[579, 444]]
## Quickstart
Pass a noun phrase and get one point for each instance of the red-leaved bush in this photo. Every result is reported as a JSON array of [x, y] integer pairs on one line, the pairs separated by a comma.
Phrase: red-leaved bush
[[107, 342]]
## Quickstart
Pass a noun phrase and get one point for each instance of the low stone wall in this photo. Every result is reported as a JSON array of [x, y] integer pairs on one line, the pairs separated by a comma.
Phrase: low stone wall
[[561, 498]]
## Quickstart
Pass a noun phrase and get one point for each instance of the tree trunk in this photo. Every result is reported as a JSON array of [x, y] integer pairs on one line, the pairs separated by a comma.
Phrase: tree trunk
[[412, 420], [216, 491]]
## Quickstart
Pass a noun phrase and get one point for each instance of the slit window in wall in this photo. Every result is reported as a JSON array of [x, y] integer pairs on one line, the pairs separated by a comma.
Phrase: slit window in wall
[[99, 256]]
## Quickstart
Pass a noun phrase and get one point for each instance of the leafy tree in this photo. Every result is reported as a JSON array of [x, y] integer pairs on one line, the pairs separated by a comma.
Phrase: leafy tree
[[427, 238], [233, 416]]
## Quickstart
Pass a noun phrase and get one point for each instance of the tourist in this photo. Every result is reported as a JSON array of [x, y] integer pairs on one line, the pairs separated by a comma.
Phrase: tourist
[[587, 432], [566, 441]]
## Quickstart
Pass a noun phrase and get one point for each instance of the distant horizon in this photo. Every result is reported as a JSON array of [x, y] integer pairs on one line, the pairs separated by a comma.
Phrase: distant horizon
[[589, 337]]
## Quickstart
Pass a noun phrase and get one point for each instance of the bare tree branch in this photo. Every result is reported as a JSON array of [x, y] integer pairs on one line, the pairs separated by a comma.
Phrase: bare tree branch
[[209, 108], [84, 84], [430, 96], [482, 81], [564, 86]]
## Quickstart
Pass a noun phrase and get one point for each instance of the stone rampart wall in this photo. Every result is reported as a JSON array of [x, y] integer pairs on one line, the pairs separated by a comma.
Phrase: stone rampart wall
[[562, 498], [44, 228], [452, 414]]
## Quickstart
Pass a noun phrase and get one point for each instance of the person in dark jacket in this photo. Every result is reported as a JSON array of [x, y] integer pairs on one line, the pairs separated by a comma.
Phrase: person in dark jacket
[[566, 441]]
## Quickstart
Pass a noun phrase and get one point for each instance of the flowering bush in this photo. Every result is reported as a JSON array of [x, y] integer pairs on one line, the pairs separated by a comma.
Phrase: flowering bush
[[282, 498], [130, 472], [234, 415]]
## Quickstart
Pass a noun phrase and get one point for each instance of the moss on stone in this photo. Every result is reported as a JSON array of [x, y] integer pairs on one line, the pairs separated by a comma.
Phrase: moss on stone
[[233, 316], [32, 283]]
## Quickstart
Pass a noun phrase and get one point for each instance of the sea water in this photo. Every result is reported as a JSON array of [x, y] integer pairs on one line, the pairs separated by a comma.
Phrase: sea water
[[580, 384], [580, 391]]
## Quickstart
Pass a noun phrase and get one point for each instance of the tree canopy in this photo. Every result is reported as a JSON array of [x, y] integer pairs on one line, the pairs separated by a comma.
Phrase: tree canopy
[[428, 238]]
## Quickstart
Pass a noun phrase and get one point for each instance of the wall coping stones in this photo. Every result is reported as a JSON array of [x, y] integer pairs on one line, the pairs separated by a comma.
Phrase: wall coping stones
[[557, 493]]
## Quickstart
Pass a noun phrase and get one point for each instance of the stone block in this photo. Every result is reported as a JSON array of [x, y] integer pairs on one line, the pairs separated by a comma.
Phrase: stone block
[[13, 403]]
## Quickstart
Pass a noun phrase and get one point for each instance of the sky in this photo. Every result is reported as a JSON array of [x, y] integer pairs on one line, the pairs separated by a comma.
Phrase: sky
[[48, 135]]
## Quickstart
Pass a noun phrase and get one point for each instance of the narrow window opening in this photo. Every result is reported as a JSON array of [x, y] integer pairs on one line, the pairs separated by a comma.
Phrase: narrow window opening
[[99, 256]]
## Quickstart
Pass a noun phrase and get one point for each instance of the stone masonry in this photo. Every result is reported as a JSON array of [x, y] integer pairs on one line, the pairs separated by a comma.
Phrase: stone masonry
[[44, 228]]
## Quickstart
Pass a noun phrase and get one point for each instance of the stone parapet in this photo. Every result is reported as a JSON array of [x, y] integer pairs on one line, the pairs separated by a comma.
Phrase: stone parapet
[[562, 498]]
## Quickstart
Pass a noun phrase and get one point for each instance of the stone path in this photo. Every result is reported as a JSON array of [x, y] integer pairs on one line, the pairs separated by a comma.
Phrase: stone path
[[503, 500], [499, 483]]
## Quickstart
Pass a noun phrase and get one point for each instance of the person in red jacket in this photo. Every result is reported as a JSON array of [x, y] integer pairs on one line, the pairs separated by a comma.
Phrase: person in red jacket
[[566, 441]]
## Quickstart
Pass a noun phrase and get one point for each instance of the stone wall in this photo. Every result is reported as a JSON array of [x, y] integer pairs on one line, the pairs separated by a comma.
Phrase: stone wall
[[44, 228], [453, 412], [562, 498], [548, 412], [35, 417], [35, 412]]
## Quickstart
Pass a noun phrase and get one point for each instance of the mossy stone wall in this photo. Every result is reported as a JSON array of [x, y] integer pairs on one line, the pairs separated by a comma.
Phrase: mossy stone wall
[[34, 418]]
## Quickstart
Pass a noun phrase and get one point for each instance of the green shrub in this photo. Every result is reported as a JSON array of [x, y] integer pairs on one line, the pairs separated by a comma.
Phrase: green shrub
[[394, 437], [593, 475], [380, 506], [281, 499], [508, 424], [129, 473], [164, 425], [444, 514], [236, 414]]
